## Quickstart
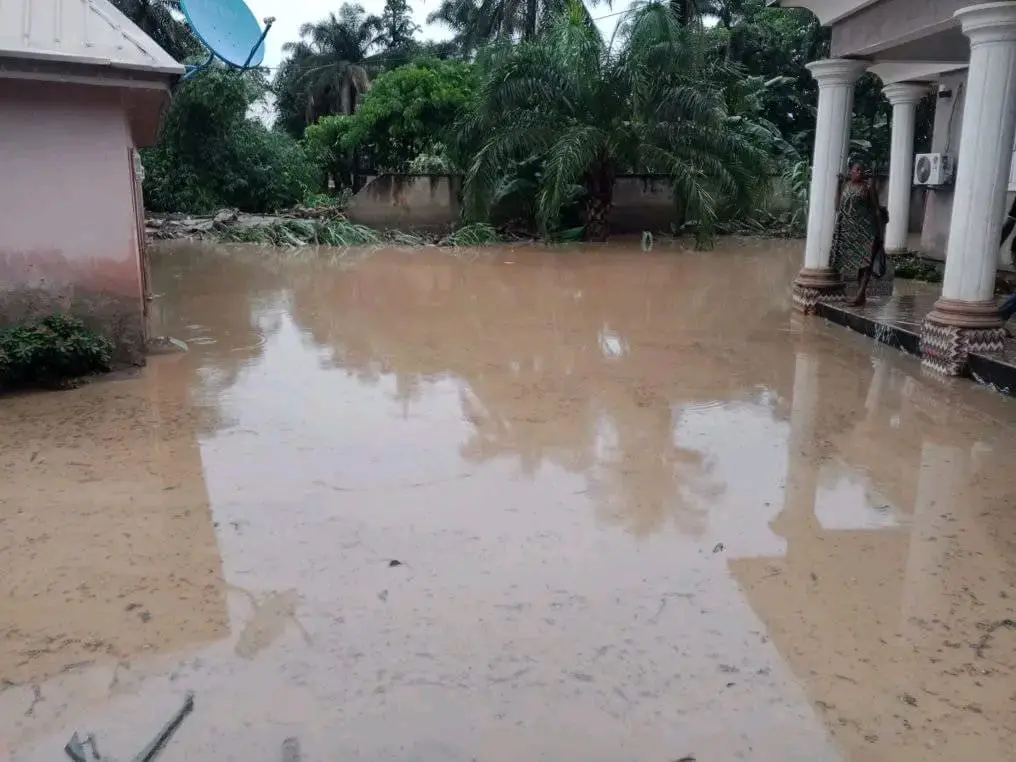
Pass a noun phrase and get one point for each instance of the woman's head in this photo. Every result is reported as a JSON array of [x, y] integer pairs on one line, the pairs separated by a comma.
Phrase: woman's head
[[857, 171]]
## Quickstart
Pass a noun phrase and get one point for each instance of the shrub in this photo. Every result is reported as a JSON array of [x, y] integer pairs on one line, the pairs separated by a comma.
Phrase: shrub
[[211, 155], [51, 351]]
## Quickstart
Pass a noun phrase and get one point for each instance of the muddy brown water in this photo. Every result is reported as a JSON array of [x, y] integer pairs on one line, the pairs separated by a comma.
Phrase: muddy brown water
[[640, 511]]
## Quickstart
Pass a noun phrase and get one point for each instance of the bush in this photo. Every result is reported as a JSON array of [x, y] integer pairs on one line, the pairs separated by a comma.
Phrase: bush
[[409, 110], [210, 155], [51, 351]]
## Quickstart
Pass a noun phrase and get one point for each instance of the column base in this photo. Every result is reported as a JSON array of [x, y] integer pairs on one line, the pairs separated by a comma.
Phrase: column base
[[812, 286], [954, 329]]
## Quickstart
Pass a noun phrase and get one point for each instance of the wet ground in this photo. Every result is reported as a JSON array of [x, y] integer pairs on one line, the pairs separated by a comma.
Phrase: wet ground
[[509, 506]]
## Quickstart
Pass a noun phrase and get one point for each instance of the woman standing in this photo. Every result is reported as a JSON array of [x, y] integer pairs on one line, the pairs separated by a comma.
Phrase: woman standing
[[859, 230]]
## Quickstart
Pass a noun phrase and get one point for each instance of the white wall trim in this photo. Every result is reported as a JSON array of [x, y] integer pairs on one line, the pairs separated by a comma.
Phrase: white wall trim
[[891, 72]]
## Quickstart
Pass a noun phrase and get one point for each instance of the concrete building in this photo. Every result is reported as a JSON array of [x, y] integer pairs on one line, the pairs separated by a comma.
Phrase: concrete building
[[81, 87], [967, 52]]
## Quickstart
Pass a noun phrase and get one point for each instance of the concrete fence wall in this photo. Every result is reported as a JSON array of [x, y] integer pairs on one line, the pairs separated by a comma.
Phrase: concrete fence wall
[[418, 202], [432, 202]]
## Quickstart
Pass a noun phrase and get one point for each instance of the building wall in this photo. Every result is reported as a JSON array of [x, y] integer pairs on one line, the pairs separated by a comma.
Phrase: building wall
[[946, 139], [68, 233], [902, 24]]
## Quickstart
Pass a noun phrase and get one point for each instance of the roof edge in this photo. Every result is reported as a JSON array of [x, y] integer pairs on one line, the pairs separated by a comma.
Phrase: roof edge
[[74, 70]]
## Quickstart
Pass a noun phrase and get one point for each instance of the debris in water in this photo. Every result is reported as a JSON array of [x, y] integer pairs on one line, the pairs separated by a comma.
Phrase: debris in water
[[291, 750], [989, 631], [383, 595], [394, 562], [906, 698], [151, 751], [688, 758], [75, 748], [718, 548], [36, 698]]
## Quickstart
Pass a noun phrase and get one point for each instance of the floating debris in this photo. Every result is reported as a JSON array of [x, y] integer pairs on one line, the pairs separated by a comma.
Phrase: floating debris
[[76, 748]]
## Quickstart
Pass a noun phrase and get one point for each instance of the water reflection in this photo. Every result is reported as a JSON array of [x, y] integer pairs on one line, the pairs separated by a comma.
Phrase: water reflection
[[877, 602], [528, 504], [109, 546]]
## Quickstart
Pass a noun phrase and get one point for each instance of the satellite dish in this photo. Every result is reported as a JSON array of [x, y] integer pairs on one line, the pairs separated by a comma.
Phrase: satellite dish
[[229, 30]]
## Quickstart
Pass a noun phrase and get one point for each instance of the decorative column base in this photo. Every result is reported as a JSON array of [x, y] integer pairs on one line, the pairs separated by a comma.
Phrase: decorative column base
[[812, 286], [954, 329]]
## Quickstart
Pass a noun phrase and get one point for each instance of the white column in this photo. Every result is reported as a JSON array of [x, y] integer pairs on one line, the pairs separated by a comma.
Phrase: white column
[[985, 151], [904, 97], [836, 78]]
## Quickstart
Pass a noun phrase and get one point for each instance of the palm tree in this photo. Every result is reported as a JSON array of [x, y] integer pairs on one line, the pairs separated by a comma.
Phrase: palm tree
[[477, 21], [163, 21], [656, 104], [328, 68]]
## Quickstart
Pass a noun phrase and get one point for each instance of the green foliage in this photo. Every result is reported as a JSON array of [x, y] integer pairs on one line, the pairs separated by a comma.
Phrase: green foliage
[[915, 268], [339, 232], [211, 155], [474, 234], [305, 233], [163, 22], [327, 70], [396, 29], [323, 144], [435, 163], [51, 351], [655, 104], [409, 111], [475, 22]]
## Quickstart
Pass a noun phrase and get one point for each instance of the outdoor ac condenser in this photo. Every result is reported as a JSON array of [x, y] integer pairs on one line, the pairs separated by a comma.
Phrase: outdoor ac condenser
[[933, 169]]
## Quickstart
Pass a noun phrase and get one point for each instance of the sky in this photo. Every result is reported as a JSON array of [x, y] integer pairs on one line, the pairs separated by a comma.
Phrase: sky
[[291, 14]]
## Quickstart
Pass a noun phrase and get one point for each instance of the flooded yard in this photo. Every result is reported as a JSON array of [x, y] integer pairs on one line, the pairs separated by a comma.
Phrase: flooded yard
[[509, 506]]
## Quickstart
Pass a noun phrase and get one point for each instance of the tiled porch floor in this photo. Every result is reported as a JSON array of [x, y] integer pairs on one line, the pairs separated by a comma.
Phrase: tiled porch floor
[[896, 321]]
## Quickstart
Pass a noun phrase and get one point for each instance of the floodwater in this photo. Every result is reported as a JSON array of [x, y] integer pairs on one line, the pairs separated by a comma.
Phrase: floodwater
[[508, 506]]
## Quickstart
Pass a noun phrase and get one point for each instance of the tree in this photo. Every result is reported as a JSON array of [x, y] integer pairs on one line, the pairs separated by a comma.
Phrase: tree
[[323, 143], [410, 109], [477, 21], [327, 70], [397, 31], [775, 44], [656, 105], [210, 155], [163, 22]]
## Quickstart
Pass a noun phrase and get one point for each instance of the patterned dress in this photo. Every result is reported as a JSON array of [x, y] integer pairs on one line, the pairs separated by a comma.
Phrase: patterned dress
[[856, 228]]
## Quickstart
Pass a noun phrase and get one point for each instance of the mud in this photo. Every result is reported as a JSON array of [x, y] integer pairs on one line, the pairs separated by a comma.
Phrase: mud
[[640, 511]]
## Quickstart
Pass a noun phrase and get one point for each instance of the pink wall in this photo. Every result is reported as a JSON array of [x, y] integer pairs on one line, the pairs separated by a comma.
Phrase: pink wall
[[68, 233]]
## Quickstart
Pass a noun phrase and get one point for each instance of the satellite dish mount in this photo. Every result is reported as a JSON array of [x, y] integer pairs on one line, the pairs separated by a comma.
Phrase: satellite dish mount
[[230, 32]]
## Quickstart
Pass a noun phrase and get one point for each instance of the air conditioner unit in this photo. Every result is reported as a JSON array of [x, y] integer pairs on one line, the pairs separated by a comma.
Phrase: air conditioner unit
[[933, 169]]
